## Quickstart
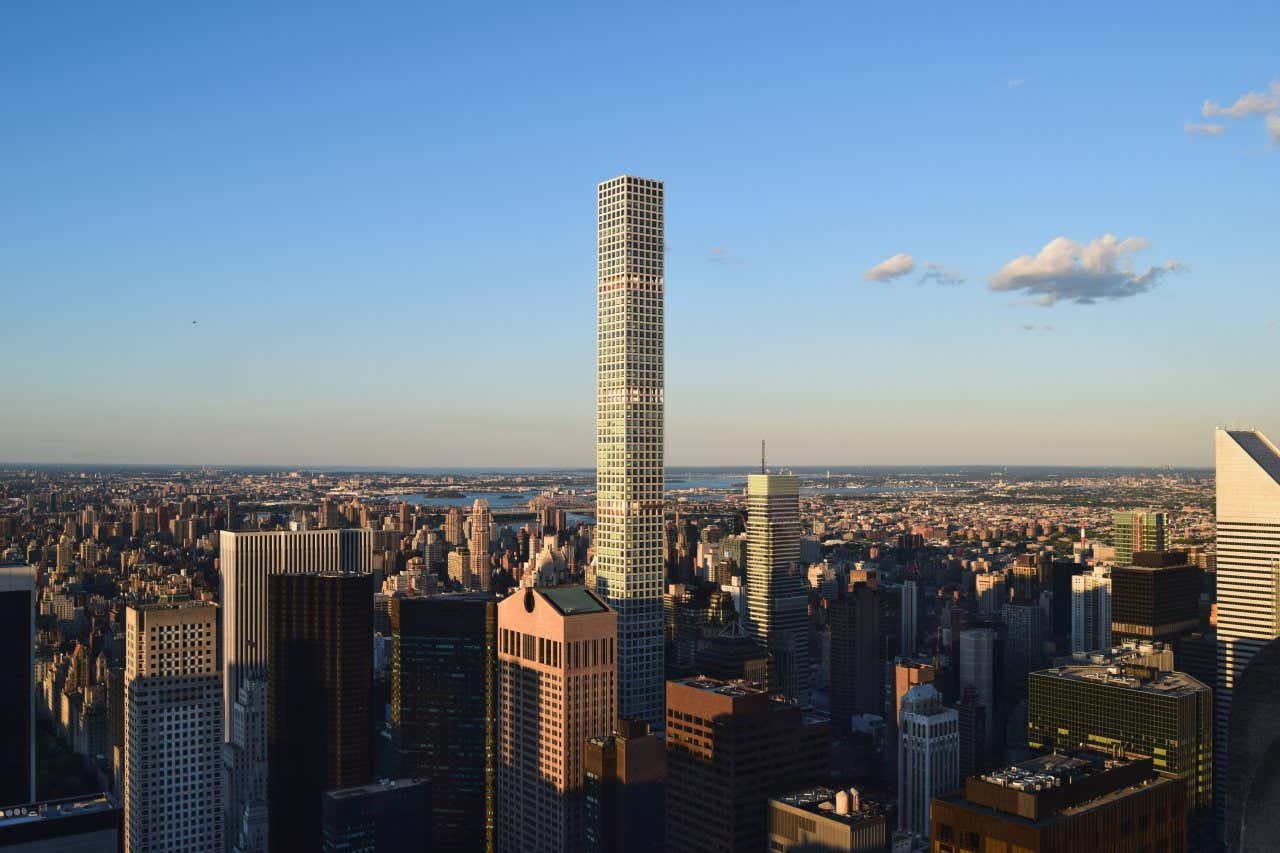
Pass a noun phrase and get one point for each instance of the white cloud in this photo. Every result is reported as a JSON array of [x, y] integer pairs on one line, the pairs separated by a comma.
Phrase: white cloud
[[1250, 103], [1203, 129], [891, 268], [1273, 127], [938, 274], [1016, 82], [1084, 273]]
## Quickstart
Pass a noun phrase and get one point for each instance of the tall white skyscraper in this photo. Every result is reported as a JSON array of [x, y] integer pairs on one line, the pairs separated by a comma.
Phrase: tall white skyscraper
[[481, 534], [928, 755], [777, 594], [172, 729], [629, 565], [1248, 567], [1091, 611]]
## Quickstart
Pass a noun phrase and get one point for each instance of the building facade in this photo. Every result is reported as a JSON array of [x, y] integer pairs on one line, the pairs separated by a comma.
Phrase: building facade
[[820, 819], [853, 617], [388, 816], [730, 747], [777, 593], [630, 406], [444, 680], [1157, 598], [319, 686], [928, 756], [17, 684], [481, 522], [1091, 611], [173, 798], [557, 676], [1136, 530], [624, 791]]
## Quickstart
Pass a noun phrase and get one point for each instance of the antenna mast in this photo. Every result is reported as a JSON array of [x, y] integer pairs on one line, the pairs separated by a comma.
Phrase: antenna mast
[[762, 468]]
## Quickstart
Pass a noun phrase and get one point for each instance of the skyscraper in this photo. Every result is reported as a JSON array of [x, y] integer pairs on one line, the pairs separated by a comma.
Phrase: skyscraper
[[1156, 598], [777, 594], [557, 668], [388, 816], [172, 729], [730, 747], [1091, 611], [630, 409], [478, 545], [854, 619], [910, 617], [319, 684], [17, 685], [982, 665], [1136, 530], [245, 764], [444, 658], [1248, 566], [928, 756], [625, 790]]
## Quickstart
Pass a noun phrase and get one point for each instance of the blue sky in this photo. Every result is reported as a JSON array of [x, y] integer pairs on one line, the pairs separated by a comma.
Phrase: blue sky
[[383, 221]]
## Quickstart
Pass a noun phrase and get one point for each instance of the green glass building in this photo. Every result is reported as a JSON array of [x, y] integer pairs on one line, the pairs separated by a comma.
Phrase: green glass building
[[1128, 708], [1136, 530]]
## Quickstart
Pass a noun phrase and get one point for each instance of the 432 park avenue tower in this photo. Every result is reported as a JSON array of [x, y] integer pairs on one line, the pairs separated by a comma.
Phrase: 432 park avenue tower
[[629, 434]]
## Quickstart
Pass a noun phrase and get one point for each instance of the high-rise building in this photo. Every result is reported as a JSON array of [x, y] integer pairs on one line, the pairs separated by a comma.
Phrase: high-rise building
[[906, 675], [444, 679], [1024, 646], [1136, 530], [629, 563], [1138, 709], [85, 824], [172, 729], [481, 534], [245, 560], [853, 617], [245, 767], [624, 791], [1248, 568], [17, 684], [557, 665], [928, 756], [730, 747], [982, 666], [777, 593], [992, 593], [319, 688], [910, 617], [1157, 598], [820, 819], [1084, 801], [388, 816], [1091, 611], [972, 717]]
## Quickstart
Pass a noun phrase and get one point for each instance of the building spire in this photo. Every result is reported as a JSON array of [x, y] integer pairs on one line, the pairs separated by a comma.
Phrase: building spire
[[762, 468]]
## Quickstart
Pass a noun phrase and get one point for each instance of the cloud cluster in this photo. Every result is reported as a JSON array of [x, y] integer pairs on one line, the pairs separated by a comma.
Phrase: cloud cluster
[[1084, 273], [1032, 327], [1251, 103], [938, 274], [891, 268]]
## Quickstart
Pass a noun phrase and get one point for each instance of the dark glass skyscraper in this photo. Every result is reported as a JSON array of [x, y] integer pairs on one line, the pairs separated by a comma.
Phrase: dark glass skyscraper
[[17, 697], [444, 659], [319, 680], [854, 618]]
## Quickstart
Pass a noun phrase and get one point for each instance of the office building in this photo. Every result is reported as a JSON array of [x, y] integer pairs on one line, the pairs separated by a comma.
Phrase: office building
[[17, 684], [777, 593], [624, 788], [172, 729], [86, 824], [992, 593], [557, 675], [1167, 716], [245, 560], [1091, 611], [982, 667], [245, 769], [1248, 570], [1136, 530], [820, 820], [389, 816], [481, 522], [1157, 598], [444, 679], [908, 674], [853, 618], [910, 617], [1024, 641], [1084, 801], [972, 717], [1252, 799], [928, 756], [629, 563], [730, 747], [319, 688]]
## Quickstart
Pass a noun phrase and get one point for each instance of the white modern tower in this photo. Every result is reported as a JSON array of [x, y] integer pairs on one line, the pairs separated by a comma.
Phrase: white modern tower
[[1091, 611], [777, 594], [629, 565], [1248, 520]]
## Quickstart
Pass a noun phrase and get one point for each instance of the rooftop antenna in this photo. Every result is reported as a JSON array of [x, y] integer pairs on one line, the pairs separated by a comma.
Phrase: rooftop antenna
[[762, 468]]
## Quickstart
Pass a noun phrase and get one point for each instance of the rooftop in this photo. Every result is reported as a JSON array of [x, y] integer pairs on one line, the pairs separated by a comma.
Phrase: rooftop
[[374, 788], [572, 600], [1262, 451], [54, 809], [1164, 682], [822, 801], [723, 688]]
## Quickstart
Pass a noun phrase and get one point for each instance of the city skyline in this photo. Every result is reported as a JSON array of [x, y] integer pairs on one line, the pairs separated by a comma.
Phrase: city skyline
[[239, 255]]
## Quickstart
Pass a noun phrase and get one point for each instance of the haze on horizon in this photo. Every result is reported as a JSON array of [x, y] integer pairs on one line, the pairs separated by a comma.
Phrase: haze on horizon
[[327, 236]]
